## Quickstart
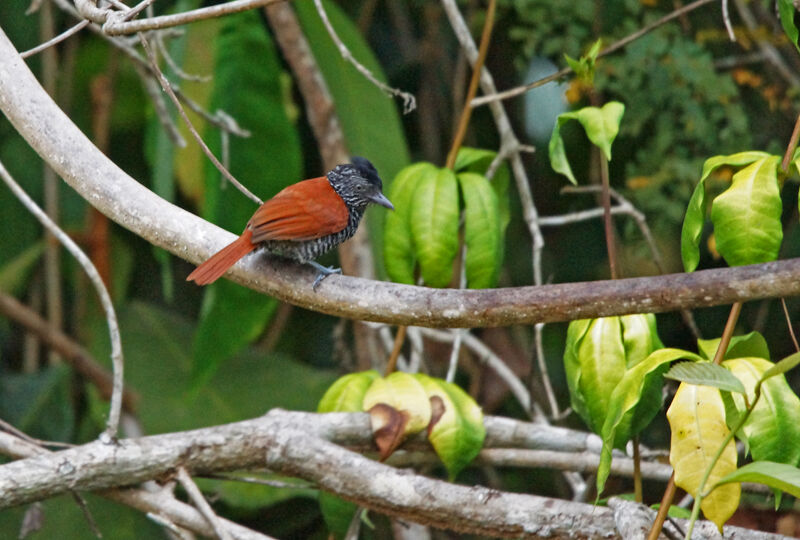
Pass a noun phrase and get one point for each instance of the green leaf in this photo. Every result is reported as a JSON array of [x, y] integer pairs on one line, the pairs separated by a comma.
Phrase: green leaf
[[751, 344], [787, 364], [557, 152], [233, 316], [601, 126], [478, 161], [693, 228], [696, 211], [482, 235], [747, 216], [775, 475], [772, 430], [434, 226], [707, 374], [457, 434], [639, 337], [594, 367], [347, 393], [398, 245], [626, 395], [787, 12]]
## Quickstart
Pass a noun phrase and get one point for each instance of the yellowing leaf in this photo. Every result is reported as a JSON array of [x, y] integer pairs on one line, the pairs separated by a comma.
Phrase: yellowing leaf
[[404, 393], [456, 431], [697, 421]]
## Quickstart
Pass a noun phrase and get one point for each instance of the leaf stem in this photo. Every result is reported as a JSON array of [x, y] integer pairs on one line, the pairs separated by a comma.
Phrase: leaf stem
[[466, 112], [608, 224]]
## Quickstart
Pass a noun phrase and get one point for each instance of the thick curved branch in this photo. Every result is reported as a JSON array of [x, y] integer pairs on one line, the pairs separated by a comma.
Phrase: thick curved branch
[[307, 445], [53, 135]]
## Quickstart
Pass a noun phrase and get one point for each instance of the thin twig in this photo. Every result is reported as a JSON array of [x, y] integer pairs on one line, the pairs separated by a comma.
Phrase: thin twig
[[206, 150], [495, 363], [512, 92], [624, 206], [726, 19], [391, 364], [201, 504], [769, 50], [117, 362], [789, 324], [409, 102], [474, 81], [54, 41], [790, 148], [87, 514], [114, 23], [608, 223]]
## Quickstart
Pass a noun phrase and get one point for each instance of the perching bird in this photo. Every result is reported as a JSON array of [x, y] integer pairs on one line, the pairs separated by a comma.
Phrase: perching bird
[[304, 220]]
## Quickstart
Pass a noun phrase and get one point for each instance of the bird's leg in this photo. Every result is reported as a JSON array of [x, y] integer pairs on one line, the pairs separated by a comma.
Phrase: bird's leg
[[324, 271]]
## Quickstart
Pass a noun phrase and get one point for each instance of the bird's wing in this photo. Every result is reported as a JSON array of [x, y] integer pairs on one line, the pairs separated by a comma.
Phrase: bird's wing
[[304, 211]]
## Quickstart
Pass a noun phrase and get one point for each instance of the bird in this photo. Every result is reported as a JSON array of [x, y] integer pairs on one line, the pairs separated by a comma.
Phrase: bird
[[304, 220]]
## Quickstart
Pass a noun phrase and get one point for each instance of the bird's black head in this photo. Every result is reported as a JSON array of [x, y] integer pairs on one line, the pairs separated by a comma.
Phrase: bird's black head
[[358, 184]]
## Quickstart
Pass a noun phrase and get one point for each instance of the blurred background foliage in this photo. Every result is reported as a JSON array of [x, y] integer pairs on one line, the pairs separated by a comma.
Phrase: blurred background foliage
[[199, 357]]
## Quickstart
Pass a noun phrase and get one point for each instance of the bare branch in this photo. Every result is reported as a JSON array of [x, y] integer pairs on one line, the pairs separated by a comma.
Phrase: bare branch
[[53, 135], [105, 299], [202, 504]]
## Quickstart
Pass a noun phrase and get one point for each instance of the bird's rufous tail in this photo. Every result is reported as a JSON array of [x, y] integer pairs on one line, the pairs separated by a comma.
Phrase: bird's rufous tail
[[218, 264]]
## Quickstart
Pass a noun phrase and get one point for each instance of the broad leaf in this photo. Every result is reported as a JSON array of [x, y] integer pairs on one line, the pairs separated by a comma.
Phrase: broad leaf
[[696, 211], [772, 430], [747, 216], [478, 160], [751, 344], [787, 12], [456, 430], [697, 421], [483, 238], [640, 381], [601, 126], [434, 226], [594, 364], [707, 374], [399, 255], [788, 363], [403, 392], [775, 475], [347, 393]]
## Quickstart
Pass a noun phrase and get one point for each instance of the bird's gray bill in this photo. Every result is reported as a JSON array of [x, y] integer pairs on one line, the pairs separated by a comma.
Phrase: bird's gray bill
[[380, 198]]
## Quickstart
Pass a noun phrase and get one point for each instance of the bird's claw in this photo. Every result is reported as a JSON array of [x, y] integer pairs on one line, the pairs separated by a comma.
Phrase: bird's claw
[[323, 272]]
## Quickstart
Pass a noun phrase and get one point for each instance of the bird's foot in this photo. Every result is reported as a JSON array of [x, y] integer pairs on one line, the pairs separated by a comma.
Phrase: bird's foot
[[323, 272]]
